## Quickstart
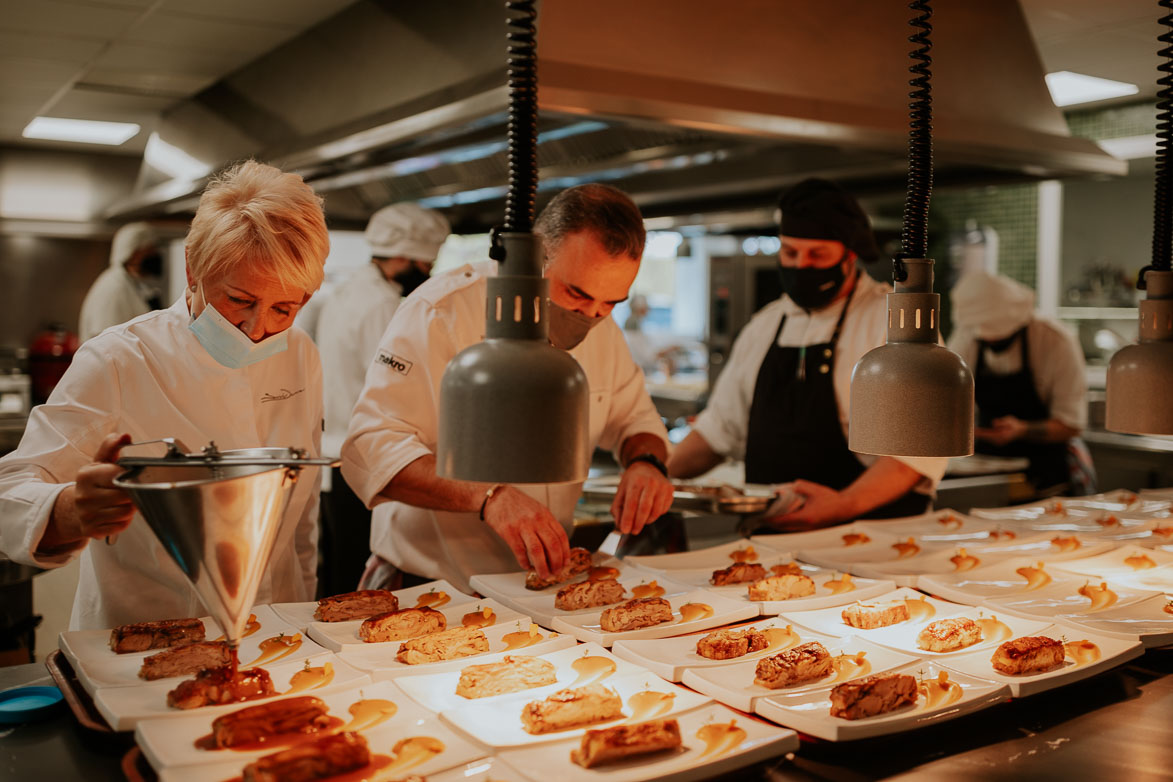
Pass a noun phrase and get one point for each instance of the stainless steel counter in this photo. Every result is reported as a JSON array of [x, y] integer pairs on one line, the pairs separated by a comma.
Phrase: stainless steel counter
[[1118, 725]]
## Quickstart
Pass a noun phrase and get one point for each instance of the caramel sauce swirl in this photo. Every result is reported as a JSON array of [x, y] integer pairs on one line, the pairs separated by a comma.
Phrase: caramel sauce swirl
[[370, 712], [840, 585], [650, 589], [1140, 562], [591, 670], [1164, 532], [1066, 545], [1055, 508], [1101, 596], [273, 649], [1168, 607], [649, 704], [850, 666], [415, 751], [746, 554], [919, 609], [692, 611], [720, 738], [855, 539], [432, 600], [780, 639], [310, 678], [482, 618], [994, 630], [1009, 534], [602, 573], [522, 638], [1082, 652], [1036, 577], [908, 548], [963, 561], [251, 627], [938, 692], [1109, 520], [950, 521]]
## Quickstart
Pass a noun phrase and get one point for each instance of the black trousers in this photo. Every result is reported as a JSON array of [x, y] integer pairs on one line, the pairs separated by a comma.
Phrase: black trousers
[[344, 538]]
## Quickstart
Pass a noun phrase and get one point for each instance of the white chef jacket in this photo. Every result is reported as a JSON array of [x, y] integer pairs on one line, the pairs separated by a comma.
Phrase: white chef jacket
[[1056, 365], [151, 378], [350, 326], [114, 298], [395, 423], [724, 423]]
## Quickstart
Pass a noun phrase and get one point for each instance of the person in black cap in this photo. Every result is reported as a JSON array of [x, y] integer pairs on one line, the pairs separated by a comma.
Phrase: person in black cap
[[783, 400]]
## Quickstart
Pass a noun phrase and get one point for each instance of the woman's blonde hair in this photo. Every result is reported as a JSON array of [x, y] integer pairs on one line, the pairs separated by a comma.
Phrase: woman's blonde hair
[[253, 214]]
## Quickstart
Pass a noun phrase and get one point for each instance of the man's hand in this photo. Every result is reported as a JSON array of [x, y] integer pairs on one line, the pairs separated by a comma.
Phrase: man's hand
[[821, 507], [1003, 430], [92, 507], [644, 495], [529, 529]]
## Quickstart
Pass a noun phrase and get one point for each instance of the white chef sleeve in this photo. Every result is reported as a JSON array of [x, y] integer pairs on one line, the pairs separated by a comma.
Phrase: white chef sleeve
[[396, 416], [1067, 391], [632, 411], [62, 436]]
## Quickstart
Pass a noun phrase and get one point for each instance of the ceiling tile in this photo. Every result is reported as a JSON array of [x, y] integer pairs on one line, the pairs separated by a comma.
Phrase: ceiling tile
[[55, 17], [56, 48], [210, 34], [35, 74], [298, 14]]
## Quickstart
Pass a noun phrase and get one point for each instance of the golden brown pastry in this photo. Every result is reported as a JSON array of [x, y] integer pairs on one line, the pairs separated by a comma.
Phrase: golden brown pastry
[[512, 674], [572, 708], [401, 625], [806, 663], [738, 573], [789, 569], [578, 562], [874, 695], [322, 758], [185, 659], [1029, 654], [782, 587], [218, 686], [868, 616], [445, 645], [607, 745], [355, 605], [641, 612], [305, 714], [727, 644], [141, 636], [949, 635], [589, 594]]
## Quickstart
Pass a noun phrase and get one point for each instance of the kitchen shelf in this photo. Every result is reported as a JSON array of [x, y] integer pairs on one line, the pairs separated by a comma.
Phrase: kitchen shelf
[[1096, 313]]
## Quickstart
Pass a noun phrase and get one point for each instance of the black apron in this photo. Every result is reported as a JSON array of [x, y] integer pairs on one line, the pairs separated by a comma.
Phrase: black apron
[[794, 429], [1015, 394]]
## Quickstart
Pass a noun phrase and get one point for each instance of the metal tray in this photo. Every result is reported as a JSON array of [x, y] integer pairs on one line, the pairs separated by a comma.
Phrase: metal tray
[[692, 495]]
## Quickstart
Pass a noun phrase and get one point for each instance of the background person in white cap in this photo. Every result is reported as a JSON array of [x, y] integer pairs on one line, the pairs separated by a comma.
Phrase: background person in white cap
[[130, 287], [405, 240], [1029, 384]]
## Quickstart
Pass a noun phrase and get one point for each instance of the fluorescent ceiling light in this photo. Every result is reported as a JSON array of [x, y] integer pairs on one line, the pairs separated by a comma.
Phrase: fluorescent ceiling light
[[172, 160], [87, 131], [1068, 89]]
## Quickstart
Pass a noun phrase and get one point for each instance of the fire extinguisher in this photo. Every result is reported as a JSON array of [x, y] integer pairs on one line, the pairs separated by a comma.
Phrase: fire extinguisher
[[50, 354]]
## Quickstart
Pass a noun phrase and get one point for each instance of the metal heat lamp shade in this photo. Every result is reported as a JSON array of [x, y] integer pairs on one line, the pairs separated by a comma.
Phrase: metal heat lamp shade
[[912, 397], [513, 409], [1140, 377]]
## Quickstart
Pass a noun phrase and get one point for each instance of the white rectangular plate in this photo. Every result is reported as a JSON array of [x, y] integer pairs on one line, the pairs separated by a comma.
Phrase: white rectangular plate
[[1049, 547], [344, 637], [910, 572], [411, 722], [810, 712], [734, 685], [637, 583], [575, 666], [1003, 579], [696, 759], [498, 724], [1079, 663], [832, 587], [506, 586], [1066, 600], [586, 627], [995, 629], [829, 621], [302, 614], [1150, 621], [515, 637], [82, 647], [875, 551], [124, 707], [1125, 561], [940, 526], [271, 642], [842, 536], [668, 658], [713, 558]]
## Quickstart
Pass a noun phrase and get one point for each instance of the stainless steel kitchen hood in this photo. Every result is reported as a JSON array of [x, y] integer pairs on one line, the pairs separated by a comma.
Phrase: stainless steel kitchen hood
[[689, 106]]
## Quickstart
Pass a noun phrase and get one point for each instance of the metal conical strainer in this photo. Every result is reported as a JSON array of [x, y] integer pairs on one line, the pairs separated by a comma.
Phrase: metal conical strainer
[[217, 513]]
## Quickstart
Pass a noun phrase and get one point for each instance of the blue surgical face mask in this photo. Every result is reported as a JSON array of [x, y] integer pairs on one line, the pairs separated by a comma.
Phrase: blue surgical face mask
[[229, 345]]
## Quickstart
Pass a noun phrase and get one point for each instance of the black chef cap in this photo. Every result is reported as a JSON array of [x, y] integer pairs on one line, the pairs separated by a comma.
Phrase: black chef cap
[[818, 209]]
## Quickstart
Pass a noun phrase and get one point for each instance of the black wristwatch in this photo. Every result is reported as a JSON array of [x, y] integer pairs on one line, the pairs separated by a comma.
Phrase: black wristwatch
[[651, 459]]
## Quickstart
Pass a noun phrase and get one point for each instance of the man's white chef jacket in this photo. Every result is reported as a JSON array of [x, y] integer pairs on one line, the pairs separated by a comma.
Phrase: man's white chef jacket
[[395, 423], [151, 378], [724, 423]]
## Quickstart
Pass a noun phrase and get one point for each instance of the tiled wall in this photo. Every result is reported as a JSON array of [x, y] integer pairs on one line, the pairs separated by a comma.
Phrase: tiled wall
[[1011, 210]]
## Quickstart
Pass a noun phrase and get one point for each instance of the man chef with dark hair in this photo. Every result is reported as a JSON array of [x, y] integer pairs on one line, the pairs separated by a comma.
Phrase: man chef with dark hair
[[783, 401]]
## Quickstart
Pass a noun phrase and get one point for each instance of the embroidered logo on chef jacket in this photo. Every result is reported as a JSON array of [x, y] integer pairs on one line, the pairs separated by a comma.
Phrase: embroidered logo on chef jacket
[[281, 397], [400, 365]]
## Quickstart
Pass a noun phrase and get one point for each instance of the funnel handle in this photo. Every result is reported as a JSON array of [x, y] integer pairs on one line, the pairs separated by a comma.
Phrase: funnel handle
[[175, 448]]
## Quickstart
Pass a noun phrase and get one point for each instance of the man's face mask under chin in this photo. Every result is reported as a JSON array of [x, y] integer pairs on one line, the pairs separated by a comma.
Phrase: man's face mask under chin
[[813, 288], [568, 328]]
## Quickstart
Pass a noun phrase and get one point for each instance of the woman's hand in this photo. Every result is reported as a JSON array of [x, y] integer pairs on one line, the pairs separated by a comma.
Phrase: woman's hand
[[529, 529], [92, 507]]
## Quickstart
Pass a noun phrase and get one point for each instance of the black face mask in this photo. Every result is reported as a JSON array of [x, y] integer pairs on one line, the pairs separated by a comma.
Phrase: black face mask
[[411, 278], [1000, 345], [812, 288], [151, 265]]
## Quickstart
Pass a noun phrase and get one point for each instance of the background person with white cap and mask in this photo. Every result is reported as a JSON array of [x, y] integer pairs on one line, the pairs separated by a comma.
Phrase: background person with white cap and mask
[[782, 402], [1029, 384], [130, 287], [405, 240]]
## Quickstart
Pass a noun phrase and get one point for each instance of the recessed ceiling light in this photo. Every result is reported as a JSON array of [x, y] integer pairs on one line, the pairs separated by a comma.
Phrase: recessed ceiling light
[[86, 131], [1068, 89], [173, 161]]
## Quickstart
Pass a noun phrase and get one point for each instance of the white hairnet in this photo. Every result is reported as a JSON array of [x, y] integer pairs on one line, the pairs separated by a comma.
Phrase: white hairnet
[[407, 231], [129, 238], [991, 306]]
